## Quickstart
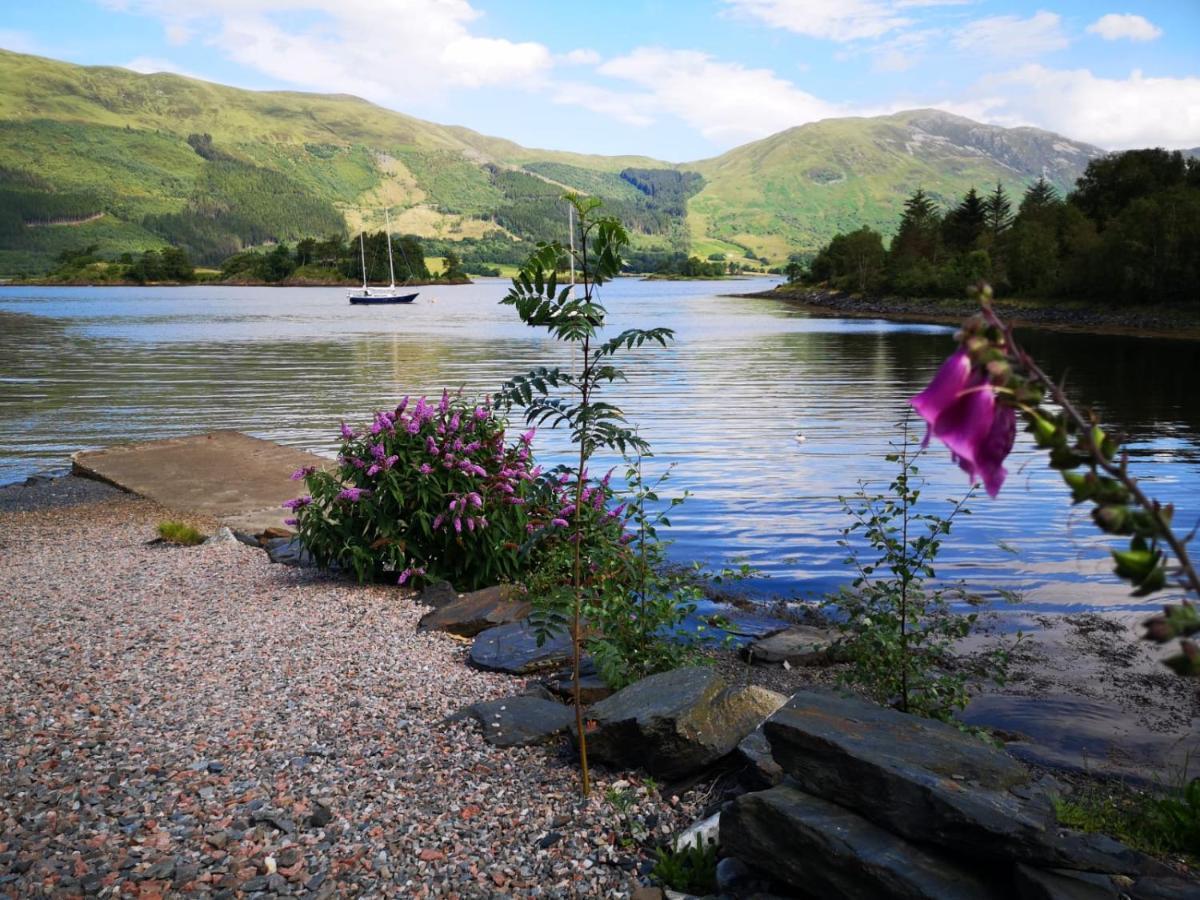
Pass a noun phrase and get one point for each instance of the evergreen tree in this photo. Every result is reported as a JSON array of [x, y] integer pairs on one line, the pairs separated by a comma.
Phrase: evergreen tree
[[965, 223], [1039, 195], [998, 215]]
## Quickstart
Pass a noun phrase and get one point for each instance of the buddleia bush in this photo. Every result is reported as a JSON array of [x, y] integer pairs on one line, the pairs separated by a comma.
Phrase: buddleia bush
[[427, 491]]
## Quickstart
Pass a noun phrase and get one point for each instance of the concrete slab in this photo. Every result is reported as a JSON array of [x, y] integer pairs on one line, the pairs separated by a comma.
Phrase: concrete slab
[[235, 478]]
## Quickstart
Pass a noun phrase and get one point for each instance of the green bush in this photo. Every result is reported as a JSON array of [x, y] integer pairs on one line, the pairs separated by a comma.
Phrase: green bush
[[692, 870]]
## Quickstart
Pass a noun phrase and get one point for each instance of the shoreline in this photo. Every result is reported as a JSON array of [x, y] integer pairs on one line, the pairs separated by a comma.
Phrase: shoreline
[[1156, 322], [217, 282]]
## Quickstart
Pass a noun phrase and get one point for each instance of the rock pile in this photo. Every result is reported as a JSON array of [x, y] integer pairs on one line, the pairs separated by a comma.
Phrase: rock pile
[[871, 802]]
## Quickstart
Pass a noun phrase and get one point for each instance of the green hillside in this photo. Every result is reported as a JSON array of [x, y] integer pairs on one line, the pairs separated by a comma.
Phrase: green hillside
[[794, 190], [106, 156]]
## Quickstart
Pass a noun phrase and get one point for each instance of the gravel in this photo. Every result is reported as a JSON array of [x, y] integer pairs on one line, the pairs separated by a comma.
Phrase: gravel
[[46, 492], [177, 720]]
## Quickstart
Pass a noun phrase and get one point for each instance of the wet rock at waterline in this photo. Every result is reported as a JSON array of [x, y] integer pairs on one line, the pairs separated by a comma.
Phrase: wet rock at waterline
[[469, 614], [514, 649], [820, 849], [799, 645], [929, 782], [676, 723], [522, 720]]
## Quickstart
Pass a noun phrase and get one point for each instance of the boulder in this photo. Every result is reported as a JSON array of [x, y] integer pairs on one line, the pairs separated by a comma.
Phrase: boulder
[[513, 649], [929, 782], [469, 614], [799, 645], [819, 849], [437, 595], [522, 720], [676, 723], [1061, 884], [759, 769], [288, 551], [592, 688]]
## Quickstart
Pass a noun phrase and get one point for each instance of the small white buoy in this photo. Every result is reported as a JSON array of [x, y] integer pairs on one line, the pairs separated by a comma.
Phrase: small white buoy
[[800, 438]]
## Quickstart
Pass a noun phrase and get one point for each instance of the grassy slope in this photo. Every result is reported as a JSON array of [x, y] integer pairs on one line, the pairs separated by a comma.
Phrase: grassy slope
[[795, 189]]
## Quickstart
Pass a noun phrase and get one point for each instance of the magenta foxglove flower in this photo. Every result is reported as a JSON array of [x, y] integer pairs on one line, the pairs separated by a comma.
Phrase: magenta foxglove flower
[[960, 408]]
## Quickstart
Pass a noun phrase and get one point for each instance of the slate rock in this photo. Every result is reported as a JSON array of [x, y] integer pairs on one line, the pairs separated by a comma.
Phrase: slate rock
[[288, 552], [676, 723], [521, 721], [1060, 884], [513, 649], [1167, 887], [592, 688], [759, 769], [437, 595], [821, 850], [798, 645], [477, 611], [929, 782]]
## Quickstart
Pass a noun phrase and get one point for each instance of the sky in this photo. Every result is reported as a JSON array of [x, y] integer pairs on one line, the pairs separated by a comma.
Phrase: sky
[[675, 80]]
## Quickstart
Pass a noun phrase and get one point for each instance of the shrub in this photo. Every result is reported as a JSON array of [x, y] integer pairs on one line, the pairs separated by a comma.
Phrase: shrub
[[898, 636], [1163, 821], [425, 492], [179, 533]]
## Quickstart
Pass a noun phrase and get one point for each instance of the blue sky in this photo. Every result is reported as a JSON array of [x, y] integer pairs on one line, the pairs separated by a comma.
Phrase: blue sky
[[674, 80]]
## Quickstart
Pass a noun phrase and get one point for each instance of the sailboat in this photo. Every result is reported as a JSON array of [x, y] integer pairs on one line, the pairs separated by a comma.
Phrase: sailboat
[[390, 294]]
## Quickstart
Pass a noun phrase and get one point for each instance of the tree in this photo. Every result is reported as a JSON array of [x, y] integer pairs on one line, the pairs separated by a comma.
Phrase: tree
[[452, 269], [1110, 183], [965, 223], [176, 265], [997, 212], [278, 264], [1038, 196], [917, 246], [306, 251]]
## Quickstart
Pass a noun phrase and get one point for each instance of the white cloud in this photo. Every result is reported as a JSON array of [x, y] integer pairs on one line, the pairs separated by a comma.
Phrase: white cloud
[[1012, 36], [149, 65], [725, 102], [18, 41], [836, 20], [1112, 113], [581, 57], [1114, 27], [386, 52]]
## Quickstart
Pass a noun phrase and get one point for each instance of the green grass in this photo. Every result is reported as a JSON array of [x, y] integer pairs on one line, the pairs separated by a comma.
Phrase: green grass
[[179, 533], [692, 870], [1161, 823]]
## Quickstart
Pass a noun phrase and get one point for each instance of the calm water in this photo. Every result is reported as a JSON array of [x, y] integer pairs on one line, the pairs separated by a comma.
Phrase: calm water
[[86, 367]]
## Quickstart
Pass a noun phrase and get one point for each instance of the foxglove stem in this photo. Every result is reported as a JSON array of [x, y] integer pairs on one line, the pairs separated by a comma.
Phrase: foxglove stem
[[1189, 576]]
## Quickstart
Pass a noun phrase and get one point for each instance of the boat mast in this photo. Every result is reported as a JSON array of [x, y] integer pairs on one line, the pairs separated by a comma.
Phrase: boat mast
[[391, 269], [362, 250], [571, 232]]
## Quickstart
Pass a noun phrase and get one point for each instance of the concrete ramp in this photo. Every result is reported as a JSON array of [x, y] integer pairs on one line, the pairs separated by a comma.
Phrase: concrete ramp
[[232, 477]]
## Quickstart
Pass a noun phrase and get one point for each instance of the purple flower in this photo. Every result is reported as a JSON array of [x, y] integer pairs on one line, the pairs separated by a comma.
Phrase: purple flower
[[476, 500], [458, 525], [445, 403], [561, 523], [527, 437], [414, 426], [425, 468], [960, 408], [378, 451], [353, 494], [303, 472], [374, 470], [481, 413], [291, 521], [347, 432], [391, 461], [437, 521], [297, 503], [403, 405], [410, 572]]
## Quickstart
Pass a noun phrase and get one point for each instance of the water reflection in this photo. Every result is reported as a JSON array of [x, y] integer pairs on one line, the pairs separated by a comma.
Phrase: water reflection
[[86, 367]]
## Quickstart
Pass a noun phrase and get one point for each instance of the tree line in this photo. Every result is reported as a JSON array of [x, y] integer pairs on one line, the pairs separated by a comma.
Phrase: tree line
[[1129, 233]]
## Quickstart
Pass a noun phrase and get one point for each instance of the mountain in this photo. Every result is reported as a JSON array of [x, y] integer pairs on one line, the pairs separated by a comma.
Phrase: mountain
[[101, 155], [795, 189]]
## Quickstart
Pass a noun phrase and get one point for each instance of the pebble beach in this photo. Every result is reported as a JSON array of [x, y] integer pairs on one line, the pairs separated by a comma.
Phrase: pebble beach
[[198, 721]]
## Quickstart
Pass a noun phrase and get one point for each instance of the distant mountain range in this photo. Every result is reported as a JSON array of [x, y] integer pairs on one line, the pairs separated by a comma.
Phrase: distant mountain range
[[129, 161]]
